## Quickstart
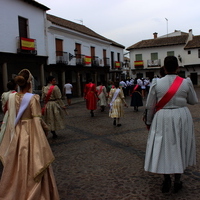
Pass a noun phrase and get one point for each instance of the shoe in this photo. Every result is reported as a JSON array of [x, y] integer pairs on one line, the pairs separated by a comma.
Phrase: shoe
[[118, 125], [177, 186], [166, 185], [92, 114], [114, 122]]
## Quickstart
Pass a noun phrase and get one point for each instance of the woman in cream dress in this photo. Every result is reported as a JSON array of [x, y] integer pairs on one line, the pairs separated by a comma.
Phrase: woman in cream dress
[[25, 151], [54, 115], [116, 100]]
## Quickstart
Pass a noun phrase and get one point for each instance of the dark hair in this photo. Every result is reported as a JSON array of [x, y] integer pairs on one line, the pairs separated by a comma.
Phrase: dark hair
[[162, 71], [171, 63], [22, 78], [50, 78], [116, 84], [11, 85]]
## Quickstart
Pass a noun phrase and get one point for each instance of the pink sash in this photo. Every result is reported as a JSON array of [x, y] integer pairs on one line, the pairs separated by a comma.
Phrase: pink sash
[[170, 93], [100, 90]]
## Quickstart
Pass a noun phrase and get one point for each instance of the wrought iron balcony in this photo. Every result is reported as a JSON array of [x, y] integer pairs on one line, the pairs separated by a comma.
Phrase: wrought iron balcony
[[61, 57], [26, 46], [80, 59], [154, 63], [95, 61], [106, 62]]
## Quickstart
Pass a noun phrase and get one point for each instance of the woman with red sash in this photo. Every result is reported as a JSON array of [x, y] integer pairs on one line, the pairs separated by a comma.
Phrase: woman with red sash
[[136, 96], [171, 142], [102, 94], [24, 150], [54, 107], [90, 95]]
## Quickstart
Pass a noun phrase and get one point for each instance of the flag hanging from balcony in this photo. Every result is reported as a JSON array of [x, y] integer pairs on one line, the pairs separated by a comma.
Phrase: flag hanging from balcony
[[139, 63], [87, 60], [27, 44], [117, 64]]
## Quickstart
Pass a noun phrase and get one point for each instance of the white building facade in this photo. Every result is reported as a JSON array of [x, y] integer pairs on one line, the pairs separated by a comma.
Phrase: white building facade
[[147, 56]]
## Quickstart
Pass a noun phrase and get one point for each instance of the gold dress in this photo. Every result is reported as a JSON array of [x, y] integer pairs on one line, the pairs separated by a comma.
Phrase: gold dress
[[117, 110], [27, 156], [54, 115]]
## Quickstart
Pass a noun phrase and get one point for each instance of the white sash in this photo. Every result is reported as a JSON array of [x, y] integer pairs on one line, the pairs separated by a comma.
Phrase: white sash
[[114, 97]]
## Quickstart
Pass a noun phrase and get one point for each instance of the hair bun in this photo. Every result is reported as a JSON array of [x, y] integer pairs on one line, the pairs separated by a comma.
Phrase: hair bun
[[20, 80]]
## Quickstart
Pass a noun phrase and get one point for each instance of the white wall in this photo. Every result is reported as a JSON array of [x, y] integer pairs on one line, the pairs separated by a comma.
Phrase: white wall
[[9, 12], [70, 37]]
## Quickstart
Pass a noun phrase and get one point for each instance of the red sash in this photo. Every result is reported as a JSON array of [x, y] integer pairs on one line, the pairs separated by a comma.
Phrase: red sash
[[100, 90], [47, 98], [170, 93]]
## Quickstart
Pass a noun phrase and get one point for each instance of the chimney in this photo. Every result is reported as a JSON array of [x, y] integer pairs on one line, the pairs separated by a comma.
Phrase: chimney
[[190, 37], [155, 35]]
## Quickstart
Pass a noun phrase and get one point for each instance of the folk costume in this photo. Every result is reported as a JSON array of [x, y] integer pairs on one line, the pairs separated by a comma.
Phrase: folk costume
[[171, 142], [102, 94], [25, 152], [90, 95], [116, 100], [54, 114], [136, 97]]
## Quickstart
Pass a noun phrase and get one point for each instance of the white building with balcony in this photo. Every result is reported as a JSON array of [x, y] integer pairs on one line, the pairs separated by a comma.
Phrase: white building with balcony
[[78, 53], [147, 56], [22, 40]]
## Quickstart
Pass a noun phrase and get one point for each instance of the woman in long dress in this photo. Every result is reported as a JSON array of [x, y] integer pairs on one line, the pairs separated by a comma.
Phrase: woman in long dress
[[136, 96], [102, 95], [90, 95], [171, 142], [116, 101], [24, 150], [54, 108]]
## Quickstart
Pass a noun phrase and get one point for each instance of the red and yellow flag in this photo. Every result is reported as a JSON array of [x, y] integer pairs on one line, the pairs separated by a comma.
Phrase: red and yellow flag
[[87, 60], [117, 64], [27, 44], [139, 63]]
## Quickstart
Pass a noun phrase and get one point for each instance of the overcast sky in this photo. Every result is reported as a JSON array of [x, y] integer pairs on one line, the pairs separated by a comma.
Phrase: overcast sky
[[129, 21]]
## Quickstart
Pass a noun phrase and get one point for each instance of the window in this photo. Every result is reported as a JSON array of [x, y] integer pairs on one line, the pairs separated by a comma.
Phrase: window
[[59, 47], [170, 53], [92, 52], [138, 57], [23, 27], [199, 53], [78, 48], [154, 56], [118, 57], [189, 52]]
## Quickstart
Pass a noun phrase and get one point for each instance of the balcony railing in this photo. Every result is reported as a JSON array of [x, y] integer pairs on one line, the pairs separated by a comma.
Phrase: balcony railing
[[61, 57], [153, 63], [26, 45], [80, 59], [95, 61], [106, 61]]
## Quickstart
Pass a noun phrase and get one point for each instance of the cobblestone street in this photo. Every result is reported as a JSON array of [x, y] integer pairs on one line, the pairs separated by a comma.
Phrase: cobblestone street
[[98, 161]]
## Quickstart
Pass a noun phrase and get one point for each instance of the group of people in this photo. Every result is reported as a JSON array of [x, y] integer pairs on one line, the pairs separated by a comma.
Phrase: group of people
[[25, 152]]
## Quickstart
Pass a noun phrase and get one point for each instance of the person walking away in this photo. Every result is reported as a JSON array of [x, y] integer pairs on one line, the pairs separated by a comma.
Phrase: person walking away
[[90, 95], [102, 94], [24, 150], [54, 109], [123, 85], [136, 96], [116, 100], [171, 143], [68, 92]]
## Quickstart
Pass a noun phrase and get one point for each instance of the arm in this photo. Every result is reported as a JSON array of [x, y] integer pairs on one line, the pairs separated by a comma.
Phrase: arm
[[192, 97]]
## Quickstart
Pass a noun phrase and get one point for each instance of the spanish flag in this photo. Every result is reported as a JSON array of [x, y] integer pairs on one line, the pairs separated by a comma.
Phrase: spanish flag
[[87, 60], [139, 63], [117, 64], [27, 44]]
